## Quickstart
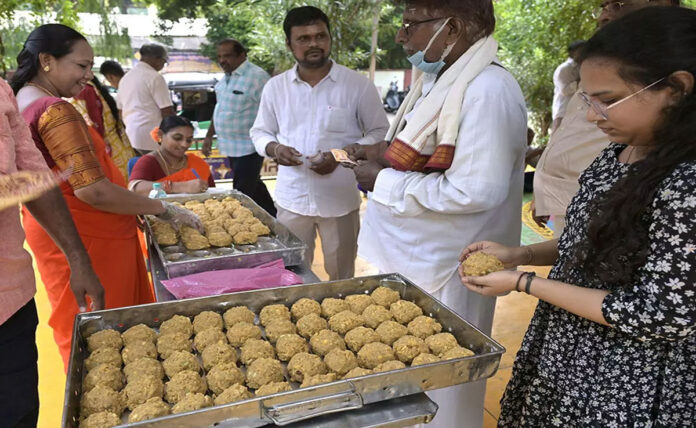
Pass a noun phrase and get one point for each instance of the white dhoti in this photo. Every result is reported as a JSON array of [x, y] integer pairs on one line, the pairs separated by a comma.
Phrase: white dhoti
[[461, 406], [417, 222]]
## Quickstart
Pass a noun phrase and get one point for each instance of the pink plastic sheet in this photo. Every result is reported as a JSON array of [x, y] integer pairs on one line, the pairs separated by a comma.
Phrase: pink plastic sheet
[[269, 275]]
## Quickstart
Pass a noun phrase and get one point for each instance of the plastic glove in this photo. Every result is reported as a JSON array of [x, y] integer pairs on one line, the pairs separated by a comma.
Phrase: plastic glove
[[178, 216]]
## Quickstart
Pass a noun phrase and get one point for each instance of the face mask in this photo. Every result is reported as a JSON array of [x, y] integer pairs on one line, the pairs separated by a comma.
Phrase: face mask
[[418, 58]]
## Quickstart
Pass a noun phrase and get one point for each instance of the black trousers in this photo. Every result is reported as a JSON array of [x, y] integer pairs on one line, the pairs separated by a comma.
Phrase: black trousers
[[529, 182], [19, 373], [246, 176]]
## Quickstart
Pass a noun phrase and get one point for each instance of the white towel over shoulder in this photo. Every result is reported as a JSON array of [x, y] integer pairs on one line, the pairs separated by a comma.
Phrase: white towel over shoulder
[[438, 114]]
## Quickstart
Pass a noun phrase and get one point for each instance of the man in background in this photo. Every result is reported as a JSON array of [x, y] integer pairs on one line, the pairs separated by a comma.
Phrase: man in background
[[143, 98], [238, 96], [112, 72], [576, 142], [19, 376], [565, 84]]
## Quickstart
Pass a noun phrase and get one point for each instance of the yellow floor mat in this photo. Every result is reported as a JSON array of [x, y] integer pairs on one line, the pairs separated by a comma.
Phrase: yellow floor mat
[[530, 223], [51, 373]]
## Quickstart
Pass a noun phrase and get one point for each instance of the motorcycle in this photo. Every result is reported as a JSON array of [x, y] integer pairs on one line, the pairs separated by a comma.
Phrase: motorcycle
[[392, 101]]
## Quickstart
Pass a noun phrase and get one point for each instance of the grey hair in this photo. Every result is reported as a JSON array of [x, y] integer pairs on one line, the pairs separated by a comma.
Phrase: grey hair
[[153, 51]]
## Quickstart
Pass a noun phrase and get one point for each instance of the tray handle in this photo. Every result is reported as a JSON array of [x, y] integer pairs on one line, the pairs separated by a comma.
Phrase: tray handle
[[288, 413]]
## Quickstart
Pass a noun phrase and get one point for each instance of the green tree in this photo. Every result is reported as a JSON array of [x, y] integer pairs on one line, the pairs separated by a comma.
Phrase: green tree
[[12, 35], [390, 55], [258, 24], [533, 37], [173, 10], [111, 42]]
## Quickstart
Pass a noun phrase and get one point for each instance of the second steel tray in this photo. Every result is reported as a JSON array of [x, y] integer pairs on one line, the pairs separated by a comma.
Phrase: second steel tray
[[299, 404], [177, 261]]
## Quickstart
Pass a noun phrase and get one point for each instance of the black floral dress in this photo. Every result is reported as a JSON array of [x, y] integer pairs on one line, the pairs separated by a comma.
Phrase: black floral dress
[[572, 372]]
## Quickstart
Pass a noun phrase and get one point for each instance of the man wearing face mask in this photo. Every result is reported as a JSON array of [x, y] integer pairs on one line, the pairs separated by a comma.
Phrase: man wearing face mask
[[451, 170], [314, 107]]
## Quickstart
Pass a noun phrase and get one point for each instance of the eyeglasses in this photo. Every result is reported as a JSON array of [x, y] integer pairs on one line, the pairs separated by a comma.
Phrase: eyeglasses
[[602, 109], [406, 26], [612, 7]]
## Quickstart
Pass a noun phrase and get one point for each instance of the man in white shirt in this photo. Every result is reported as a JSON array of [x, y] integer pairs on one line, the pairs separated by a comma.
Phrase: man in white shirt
[[565, 83], [434, 192], [314, 107], [143, 98]]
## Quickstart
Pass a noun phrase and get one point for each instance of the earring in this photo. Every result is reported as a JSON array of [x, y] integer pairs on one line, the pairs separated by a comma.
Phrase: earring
[[47, 69]]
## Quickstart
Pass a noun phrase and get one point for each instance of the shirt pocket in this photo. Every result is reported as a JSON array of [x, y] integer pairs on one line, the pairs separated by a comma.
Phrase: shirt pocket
[[238, 100], [336, 119]]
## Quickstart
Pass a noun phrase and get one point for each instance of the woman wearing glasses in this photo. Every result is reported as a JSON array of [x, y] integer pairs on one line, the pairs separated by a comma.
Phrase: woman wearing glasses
[[613, 339]]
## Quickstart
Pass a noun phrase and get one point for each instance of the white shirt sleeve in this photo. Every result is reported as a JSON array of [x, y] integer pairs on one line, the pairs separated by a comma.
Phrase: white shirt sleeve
[[565, 84], [265, 129], [160, 92], [371, 116], [491, 142]]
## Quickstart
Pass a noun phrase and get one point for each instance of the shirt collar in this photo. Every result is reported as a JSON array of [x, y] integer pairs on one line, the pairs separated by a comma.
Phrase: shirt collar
[[333, 73], [241, 69], [146, 65]]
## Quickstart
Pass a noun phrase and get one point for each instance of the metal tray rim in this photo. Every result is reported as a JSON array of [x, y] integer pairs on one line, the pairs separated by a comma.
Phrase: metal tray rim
[[496, 348], [297, 247]]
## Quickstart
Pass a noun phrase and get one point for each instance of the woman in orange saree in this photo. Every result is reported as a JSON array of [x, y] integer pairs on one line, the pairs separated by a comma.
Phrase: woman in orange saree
[[56, 62], [178, 171]]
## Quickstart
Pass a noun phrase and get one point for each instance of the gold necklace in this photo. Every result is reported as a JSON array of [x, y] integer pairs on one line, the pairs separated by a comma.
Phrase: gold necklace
[[166, 164], [36, 85]]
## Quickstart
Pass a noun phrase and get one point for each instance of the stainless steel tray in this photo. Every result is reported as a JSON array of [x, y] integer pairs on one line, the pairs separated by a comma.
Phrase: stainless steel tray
[[300, 404], [178, 261]]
